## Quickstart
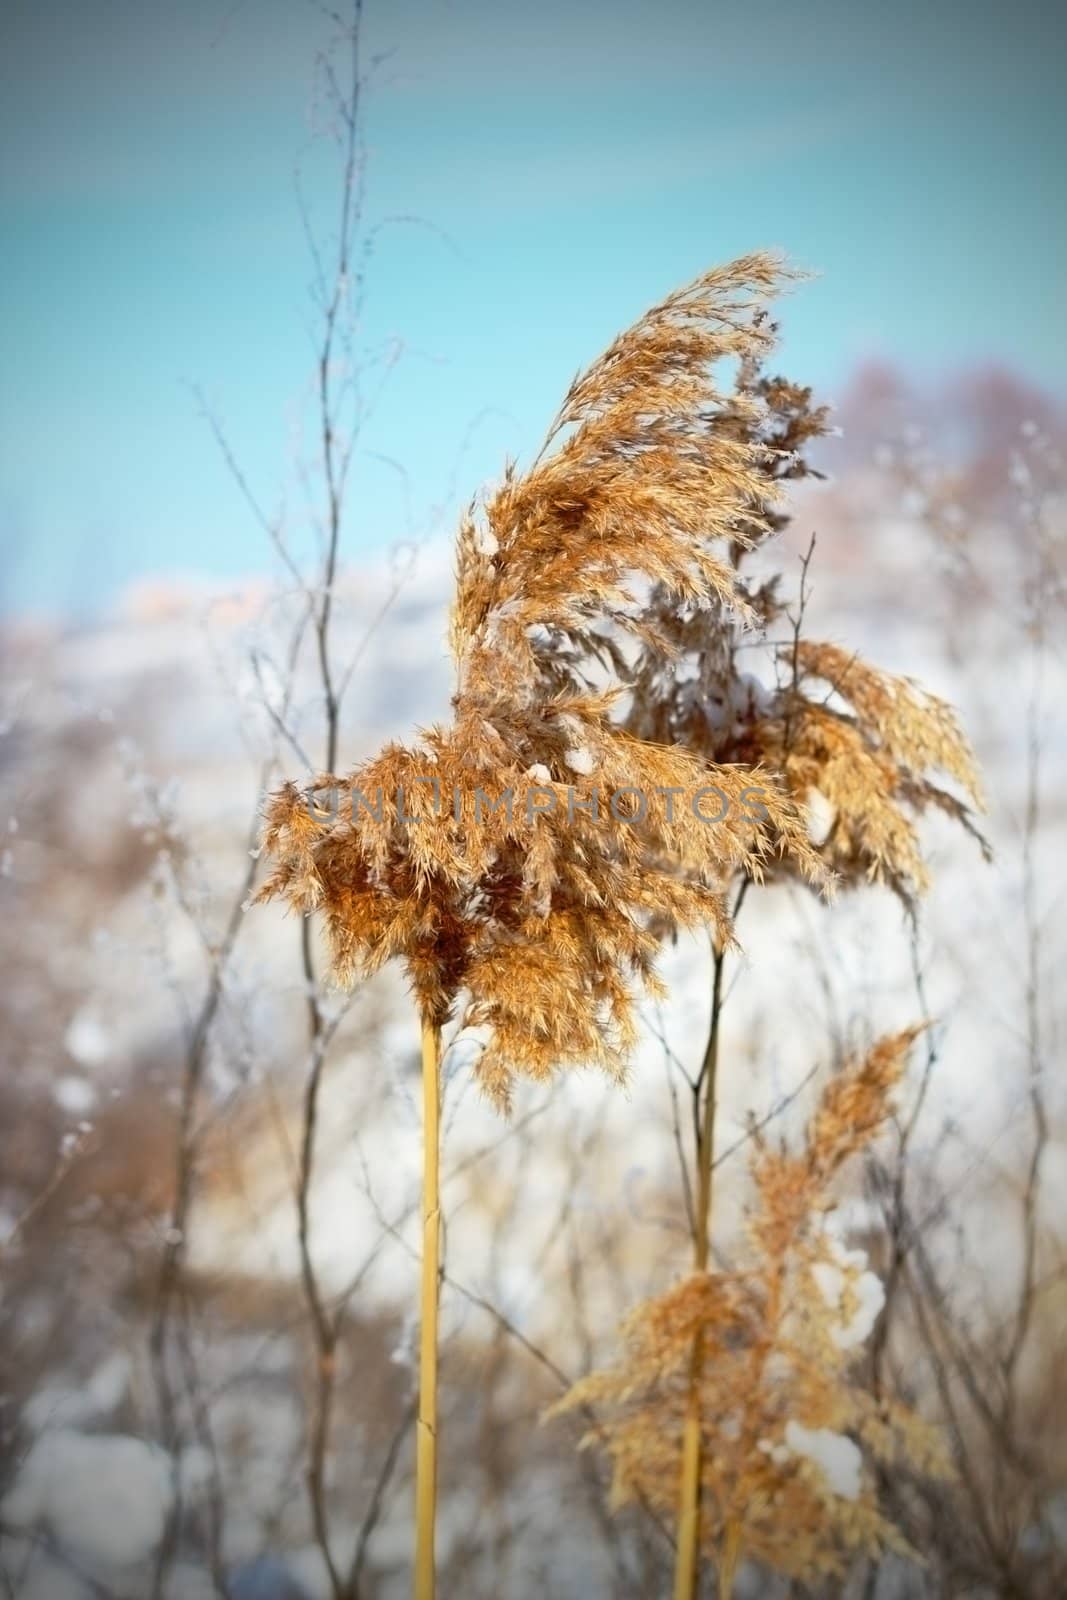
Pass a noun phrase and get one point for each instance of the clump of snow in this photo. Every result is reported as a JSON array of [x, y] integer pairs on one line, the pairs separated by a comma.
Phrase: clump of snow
[[86, 1040], [838, 1458], [749, 694], [74, 1095], [847, 1270], [821, 816], [731, 706], [505, 612], [580, 760], [103, 1496], [485, 541], [539, 773]]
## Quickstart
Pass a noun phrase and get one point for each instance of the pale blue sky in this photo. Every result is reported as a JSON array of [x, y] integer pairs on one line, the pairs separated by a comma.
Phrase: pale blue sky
[[572, 162]]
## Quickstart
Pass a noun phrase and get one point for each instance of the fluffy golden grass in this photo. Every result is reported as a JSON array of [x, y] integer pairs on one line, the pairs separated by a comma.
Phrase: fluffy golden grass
[[790, 1434], [874, 748], [525, 861], [549, 923], [546, 918]]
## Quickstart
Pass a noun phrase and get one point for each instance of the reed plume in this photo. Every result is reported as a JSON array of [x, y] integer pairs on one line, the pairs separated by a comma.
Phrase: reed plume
[[871, 748], [790, 1436], [520, 860], [865, 750]]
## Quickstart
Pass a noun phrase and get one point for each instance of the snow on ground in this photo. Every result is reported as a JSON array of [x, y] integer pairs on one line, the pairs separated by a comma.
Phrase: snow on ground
[[103, 1496]]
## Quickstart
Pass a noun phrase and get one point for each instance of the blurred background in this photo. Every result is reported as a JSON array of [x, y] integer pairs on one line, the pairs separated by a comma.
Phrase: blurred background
[[282, 288]]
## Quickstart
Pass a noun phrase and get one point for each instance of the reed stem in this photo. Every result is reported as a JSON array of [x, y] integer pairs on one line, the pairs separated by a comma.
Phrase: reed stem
[[426, 1427], [730, 1557], [687, 1537]]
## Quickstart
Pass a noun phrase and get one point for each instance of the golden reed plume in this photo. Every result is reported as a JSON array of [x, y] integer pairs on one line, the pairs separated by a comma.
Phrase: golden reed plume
[[790, 1436], [524, 860]]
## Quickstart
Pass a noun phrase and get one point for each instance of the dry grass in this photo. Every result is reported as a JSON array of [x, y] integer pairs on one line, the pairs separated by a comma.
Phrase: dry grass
[[546, 916], [525, 861], [872, 749], [790, 1433]]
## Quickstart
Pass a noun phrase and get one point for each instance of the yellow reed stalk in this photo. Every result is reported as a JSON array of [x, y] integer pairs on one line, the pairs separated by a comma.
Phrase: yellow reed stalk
[[426, 1435], [688, 1529], [731, 1556], [772, 1355]]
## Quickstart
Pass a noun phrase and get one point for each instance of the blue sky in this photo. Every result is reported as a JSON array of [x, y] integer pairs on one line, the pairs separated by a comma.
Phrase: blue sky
[[566, 163]]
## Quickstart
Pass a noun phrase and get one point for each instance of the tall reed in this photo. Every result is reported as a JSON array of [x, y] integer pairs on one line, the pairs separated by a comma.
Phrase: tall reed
[[741, 683], [519, 859], [791, 1437]]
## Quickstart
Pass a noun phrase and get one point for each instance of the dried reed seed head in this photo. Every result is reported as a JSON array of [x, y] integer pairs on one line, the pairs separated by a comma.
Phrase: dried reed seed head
[[789, 1434], [872, 746], [543, 916], [548, 919], [613, 564], [644, 470]]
